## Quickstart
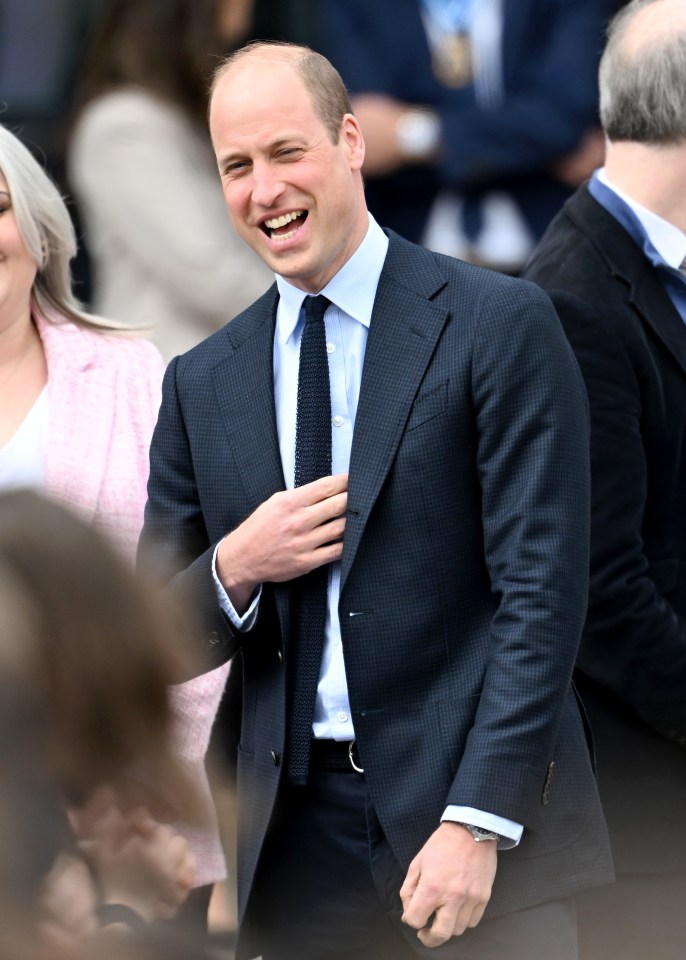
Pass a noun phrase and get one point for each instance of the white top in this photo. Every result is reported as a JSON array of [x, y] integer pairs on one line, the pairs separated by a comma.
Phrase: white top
[[22, 459]]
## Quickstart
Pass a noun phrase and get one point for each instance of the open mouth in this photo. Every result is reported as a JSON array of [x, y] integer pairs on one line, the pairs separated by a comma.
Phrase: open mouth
[[285, 226]]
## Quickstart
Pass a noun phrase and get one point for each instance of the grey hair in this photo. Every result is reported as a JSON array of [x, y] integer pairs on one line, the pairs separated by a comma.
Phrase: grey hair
[[643, 83], [47, 232]]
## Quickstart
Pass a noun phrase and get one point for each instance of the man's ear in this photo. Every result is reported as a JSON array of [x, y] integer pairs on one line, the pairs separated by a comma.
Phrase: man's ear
[[351, 135]]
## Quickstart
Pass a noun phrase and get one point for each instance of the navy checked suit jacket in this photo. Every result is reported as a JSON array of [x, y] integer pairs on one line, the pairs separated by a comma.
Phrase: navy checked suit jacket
[[465, 562]]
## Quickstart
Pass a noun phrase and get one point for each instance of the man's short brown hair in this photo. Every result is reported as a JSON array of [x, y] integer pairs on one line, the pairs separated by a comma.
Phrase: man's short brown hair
[[323, 82]]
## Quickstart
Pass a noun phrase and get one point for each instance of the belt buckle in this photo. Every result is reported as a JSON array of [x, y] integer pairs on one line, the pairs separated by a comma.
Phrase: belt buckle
[[352, 761]]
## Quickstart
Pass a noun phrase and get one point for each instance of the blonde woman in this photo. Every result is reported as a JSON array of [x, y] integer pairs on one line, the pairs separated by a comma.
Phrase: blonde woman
[[78, 403]]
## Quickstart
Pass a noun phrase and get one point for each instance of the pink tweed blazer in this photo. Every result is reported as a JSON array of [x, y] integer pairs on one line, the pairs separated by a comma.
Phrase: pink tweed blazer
[[103, 397]]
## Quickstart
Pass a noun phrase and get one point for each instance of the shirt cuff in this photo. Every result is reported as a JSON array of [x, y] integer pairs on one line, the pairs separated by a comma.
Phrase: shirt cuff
[[510, 833], [247, 621]]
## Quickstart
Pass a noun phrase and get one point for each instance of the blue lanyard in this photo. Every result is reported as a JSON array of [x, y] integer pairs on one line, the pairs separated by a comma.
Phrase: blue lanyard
[[448, 16]]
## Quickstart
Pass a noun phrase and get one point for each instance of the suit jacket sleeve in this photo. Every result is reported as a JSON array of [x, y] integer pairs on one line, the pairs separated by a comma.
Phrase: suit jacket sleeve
[[533, 467], [634, 642], [175, 539]]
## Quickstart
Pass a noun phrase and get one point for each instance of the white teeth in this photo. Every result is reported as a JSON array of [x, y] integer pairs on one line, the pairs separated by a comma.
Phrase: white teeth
[[283, 220], [284, 236]]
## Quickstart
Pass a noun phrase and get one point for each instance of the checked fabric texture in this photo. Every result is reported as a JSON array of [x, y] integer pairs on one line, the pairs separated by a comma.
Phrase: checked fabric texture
[[312, 461]]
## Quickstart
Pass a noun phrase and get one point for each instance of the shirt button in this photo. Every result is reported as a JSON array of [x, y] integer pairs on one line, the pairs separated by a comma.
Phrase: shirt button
[[337, 421], [330, 347], [342, 716]]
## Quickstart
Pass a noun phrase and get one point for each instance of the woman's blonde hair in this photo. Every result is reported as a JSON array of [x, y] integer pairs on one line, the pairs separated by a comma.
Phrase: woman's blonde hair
[[48, 234]]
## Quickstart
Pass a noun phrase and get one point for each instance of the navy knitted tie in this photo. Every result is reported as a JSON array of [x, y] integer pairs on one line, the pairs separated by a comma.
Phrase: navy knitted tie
[[312, 461]]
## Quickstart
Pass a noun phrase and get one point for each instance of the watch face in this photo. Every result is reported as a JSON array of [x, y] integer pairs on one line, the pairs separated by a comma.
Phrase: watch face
[[480, 833], [418, 132]]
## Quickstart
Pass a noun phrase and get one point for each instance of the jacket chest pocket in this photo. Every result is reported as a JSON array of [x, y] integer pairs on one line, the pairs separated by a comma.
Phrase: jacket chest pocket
[[430, 403]]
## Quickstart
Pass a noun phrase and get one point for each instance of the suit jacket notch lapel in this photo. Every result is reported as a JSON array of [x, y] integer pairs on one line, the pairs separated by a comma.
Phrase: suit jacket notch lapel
[[403, 333], [627, 261], [655, 306], [244, 386]]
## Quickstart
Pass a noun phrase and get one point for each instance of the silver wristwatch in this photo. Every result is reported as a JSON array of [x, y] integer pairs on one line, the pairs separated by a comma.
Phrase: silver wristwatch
[[418, 133], [478, 833]]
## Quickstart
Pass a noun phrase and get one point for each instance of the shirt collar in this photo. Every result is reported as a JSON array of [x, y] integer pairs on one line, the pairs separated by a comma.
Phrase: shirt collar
[[662, 242], [352, 289]]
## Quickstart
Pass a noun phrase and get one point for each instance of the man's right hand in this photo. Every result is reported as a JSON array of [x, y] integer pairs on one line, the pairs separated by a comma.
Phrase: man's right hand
[[287, 536]]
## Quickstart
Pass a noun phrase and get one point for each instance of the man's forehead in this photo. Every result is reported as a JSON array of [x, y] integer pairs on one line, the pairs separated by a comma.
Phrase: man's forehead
[[261, 63], [259, 83]]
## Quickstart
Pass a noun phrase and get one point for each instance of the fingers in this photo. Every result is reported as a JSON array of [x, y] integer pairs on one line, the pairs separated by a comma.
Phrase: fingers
[[322, 489], [448, 884], [408, 888], [291, 533], [324, 510], [442, 927], [436, 925], [451, 920], [418, 908]]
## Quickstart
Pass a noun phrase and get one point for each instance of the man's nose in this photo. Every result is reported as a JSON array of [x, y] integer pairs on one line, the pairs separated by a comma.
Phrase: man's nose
[[267, 184]]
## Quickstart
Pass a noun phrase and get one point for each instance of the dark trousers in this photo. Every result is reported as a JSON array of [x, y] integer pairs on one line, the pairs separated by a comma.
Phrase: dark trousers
[[327, 888]]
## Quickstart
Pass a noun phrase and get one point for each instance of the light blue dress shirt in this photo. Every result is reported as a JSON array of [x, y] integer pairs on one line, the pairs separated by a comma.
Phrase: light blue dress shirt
[[352, 292]]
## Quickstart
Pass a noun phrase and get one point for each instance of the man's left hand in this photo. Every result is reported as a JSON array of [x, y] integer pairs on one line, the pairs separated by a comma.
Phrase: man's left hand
[[451, 877]]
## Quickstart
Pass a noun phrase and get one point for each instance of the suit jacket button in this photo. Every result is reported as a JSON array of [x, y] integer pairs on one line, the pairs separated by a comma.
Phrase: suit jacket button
[[276, 758], [279, 654], [213, 639]]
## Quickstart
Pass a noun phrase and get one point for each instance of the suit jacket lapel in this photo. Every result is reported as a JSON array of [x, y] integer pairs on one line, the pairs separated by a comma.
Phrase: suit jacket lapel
[[404, 329], [653, 303], [627, 260], [244, 385]]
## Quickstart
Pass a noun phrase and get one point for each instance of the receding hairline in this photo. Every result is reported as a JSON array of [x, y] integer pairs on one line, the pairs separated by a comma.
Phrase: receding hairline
[[323, 83], [260, 50], [648, 25]]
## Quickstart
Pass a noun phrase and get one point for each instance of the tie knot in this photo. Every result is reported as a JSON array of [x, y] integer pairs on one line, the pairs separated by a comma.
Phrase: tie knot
[[315, 307]]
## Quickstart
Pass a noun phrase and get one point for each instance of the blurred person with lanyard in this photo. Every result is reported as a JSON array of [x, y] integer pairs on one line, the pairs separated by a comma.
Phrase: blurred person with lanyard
[[479, 116]]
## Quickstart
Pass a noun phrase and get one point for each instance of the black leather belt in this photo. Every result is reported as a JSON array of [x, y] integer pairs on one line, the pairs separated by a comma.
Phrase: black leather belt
[[335, 756]]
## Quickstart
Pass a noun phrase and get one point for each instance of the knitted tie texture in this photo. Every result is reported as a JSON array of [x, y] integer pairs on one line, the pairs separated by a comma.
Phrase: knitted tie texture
[[312, 461]]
